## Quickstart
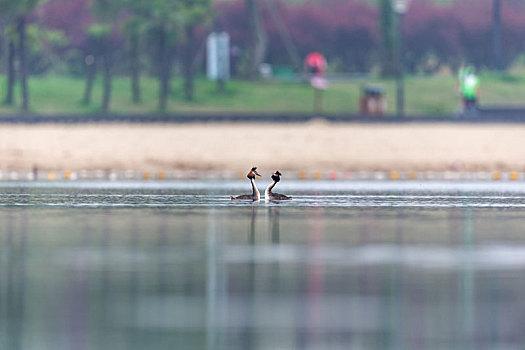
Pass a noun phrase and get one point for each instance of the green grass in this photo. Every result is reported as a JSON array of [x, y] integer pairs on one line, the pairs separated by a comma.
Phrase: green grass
[[424, 95]]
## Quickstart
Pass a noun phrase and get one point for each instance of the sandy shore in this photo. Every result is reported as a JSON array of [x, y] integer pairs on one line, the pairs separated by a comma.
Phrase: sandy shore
[[311, 146]]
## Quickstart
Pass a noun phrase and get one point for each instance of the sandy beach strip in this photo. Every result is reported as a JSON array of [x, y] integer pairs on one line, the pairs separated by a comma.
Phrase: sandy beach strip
[[313, 146]]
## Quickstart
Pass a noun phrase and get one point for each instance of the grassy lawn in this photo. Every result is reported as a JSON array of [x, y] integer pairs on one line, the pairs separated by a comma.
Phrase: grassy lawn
[[424, 95]]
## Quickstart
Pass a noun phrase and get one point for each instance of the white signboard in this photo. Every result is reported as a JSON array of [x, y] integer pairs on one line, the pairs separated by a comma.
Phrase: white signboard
[[218, 56]]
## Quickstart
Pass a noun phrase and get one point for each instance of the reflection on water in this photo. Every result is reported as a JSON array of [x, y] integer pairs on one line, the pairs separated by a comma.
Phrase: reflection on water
[[260, 275]]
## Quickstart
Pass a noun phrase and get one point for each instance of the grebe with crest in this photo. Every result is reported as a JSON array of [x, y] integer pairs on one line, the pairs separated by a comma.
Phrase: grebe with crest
[[255, 196], [269, 195]]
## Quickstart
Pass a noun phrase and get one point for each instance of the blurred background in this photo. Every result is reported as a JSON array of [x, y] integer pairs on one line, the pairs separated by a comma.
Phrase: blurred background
[[208, 56]]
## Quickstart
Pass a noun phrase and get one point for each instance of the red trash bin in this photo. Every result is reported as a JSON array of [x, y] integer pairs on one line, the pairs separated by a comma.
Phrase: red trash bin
[[372, 101]]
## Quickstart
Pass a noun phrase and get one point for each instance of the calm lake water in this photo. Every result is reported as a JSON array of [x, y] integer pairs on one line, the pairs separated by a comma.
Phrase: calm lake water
[[344, 265]]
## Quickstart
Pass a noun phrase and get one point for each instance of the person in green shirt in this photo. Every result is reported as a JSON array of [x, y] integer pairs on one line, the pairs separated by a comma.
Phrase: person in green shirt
[[468, 87]]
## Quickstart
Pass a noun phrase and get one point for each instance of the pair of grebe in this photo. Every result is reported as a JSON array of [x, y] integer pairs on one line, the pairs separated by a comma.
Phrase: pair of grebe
[[268, 194]]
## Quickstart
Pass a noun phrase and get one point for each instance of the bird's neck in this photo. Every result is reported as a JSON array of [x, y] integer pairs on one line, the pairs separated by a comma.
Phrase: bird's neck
[[270, 187], [256, 193]]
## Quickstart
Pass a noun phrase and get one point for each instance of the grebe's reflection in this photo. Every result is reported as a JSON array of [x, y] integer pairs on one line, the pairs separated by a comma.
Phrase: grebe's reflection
[[251, 232], [274, 224]]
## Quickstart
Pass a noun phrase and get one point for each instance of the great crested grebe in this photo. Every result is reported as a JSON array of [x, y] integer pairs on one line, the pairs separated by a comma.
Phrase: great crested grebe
[[268, 194], [255, 196]]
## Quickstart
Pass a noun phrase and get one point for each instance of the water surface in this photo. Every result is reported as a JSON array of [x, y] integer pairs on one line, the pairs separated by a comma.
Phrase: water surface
[[344, 265]]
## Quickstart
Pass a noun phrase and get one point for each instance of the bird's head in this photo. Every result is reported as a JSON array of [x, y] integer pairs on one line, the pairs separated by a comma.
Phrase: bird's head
[[252, 173], [276, 176]]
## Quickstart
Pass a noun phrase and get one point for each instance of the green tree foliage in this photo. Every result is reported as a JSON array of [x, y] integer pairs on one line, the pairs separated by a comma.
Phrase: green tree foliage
[[18, 12], [163, 17], [157, 24], [164, 22], [105, 11], [18, 8], [133, 30], [193, 13], [44, 47]]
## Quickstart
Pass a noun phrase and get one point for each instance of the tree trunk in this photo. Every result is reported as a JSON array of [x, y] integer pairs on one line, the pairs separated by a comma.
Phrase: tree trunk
[[164, 70], [23, 64], [387, 31], [11, 74], [187, 61], [91, 72], [258, 37], [135, 68], [496, 35], [106, 97]]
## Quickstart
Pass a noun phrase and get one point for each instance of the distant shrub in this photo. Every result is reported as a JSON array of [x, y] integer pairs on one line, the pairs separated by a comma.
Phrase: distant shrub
[[69, 16]]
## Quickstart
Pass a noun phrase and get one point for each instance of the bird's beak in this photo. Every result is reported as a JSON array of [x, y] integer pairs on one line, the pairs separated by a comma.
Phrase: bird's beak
[[256, 173]]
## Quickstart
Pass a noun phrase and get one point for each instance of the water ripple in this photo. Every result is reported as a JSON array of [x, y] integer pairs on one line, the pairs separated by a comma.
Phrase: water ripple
[[148, 200]]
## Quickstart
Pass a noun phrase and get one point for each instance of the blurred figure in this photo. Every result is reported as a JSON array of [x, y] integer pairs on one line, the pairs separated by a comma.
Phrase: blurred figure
[[468, 87], [315, 64]]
